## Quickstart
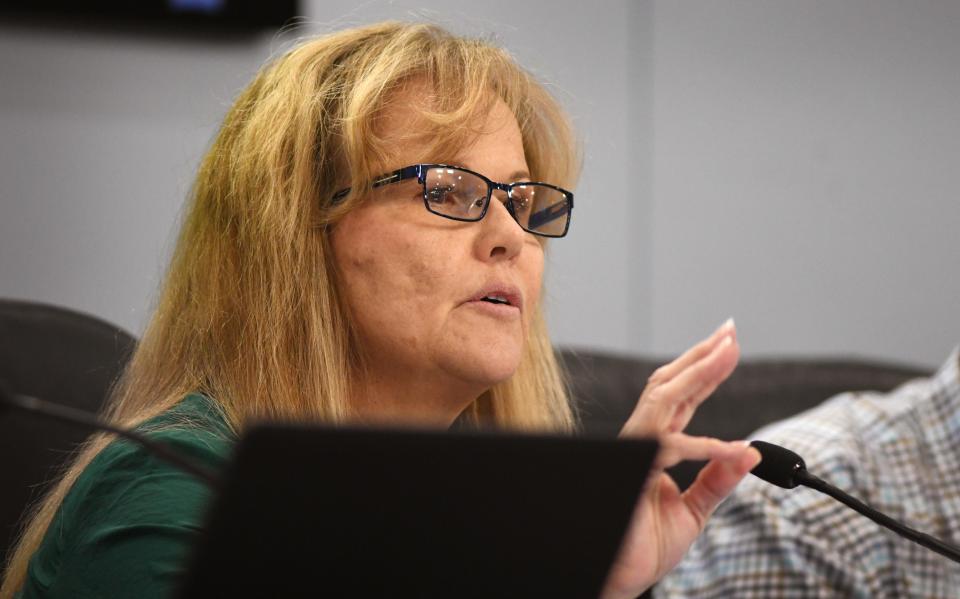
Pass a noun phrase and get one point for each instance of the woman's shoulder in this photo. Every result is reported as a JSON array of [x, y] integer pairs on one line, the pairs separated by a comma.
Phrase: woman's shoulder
[[195, 425], [130, 517], [194, 428]]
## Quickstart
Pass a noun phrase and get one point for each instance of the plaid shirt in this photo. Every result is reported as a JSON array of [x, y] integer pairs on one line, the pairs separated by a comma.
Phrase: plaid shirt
[[899, 452]]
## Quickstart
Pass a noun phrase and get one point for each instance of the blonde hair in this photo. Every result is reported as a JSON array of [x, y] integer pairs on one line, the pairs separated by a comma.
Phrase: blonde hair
[[250, 313]]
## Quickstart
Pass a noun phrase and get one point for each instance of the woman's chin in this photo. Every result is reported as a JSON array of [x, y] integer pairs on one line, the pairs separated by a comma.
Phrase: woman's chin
[[486, 369]]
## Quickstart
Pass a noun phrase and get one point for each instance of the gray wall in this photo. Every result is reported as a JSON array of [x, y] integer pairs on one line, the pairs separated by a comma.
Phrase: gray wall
[[100, 135], [805, 175], [786, 163]]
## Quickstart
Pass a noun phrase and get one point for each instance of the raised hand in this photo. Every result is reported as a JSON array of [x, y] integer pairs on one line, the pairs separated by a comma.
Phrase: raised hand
[[666, 522]]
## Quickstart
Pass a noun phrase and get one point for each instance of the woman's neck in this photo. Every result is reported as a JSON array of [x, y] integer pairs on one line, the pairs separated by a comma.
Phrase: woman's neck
[[411, 401]]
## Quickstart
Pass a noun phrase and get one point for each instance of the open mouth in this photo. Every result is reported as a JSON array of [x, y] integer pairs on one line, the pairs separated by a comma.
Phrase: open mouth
[[495, 299], [500, 295]]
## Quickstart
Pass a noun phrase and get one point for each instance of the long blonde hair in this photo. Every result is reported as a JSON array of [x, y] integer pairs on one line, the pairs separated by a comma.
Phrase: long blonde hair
[[250, 313]]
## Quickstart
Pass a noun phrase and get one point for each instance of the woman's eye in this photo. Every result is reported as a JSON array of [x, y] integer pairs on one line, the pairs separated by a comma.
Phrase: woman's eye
[[438, 195], [521, 204]]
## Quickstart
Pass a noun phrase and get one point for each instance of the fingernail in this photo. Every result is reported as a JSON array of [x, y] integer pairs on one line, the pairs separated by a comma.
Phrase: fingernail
[[752, 451], [727, 325], [726, 341]]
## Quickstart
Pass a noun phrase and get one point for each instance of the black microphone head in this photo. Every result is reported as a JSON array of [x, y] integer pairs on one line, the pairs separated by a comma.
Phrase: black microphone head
[[779, 465]]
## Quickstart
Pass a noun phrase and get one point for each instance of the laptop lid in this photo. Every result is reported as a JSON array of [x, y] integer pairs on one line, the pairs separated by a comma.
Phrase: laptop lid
[[307, 511]]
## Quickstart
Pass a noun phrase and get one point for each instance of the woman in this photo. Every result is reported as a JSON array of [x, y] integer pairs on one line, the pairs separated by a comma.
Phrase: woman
[[329, 270]]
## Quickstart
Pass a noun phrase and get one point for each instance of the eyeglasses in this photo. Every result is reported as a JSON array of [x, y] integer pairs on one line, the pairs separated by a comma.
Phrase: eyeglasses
[[461, 194]]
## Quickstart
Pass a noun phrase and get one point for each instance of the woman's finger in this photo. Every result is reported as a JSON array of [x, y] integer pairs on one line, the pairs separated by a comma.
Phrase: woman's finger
[[715, 481], [666, 372], [677, 447], [692, 386], [668, 407]]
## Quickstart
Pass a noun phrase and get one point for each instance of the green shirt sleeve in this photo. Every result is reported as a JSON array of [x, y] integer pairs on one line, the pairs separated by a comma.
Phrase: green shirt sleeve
[[128, 525]]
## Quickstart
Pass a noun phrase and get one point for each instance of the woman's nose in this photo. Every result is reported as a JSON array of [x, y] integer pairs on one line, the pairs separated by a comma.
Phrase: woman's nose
[[500, 237]]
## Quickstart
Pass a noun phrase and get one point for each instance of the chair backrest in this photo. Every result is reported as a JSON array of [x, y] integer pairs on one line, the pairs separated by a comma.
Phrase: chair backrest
[[606, 387], [61, 356]]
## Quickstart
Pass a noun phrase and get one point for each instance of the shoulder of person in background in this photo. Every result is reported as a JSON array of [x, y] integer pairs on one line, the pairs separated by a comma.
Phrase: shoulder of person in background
[[897, 451]]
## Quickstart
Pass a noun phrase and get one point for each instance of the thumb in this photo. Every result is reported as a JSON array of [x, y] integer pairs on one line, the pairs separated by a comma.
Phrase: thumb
[[717, 480]]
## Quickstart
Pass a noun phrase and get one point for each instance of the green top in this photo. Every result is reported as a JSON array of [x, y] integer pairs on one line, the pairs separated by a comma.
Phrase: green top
[[128, 523]]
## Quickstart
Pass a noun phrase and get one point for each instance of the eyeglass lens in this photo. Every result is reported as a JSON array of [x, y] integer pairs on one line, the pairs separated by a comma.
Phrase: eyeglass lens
[[461, 195]]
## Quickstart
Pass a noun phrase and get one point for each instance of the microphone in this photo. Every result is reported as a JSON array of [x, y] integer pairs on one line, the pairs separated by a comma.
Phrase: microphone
[[25, 403], [784, 468]]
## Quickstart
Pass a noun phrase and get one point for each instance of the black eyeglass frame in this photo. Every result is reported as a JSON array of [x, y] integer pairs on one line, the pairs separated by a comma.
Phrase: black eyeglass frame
[[420, 172]]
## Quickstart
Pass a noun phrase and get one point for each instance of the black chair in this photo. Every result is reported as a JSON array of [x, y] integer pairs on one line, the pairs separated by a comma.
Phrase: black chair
[[61, 356], [606, 387]]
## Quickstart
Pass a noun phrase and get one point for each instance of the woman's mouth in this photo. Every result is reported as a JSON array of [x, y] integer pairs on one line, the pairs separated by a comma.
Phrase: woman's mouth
[[502, 301], [496, 307]]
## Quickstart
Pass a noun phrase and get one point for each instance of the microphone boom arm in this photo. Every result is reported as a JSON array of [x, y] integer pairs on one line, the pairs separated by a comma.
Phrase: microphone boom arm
[[786, 469], [74, 416], [932, 543]]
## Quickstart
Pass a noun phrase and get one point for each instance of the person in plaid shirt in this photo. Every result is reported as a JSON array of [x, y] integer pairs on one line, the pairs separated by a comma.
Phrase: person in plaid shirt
[[898, 452]]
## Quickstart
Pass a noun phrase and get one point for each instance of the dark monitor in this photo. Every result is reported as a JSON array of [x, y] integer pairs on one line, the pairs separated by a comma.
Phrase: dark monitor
[[222, 15], [366, 513]]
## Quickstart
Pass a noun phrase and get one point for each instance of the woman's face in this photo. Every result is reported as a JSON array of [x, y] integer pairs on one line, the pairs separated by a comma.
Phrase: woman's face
[[414, 281]]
